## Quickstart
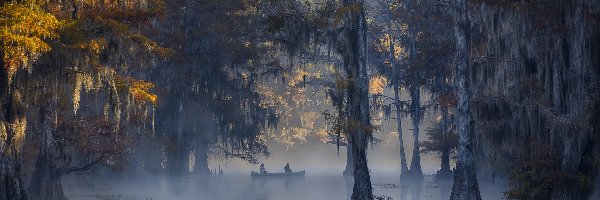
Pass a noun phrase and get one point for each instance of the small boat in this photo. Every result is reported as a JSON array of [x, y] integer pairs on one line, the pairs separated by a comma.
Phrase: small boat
[[281, 174]]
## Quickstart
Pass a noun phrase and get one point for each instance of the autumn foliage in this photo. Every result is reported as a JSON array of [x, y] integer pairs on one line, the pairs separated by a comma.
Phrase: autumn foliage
[[23, 29]]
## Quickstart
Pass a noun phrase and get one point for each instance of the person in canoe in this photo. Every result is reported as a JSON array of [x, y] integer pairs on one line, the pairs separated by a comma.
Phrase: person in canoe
[[287, 168], [262, 168]]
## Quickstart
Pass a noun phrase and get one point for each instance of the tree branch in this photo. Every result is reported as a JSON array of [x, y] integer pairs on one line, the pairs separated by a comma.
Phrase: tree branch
[[494, 58], [82, 168]]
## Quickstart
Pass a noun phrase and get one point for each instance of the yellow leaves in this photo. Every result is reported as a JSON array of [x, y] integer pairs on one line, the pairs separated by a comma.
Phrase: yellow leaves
[[298, 76], [269, 99], [22, 30], [377, 84], [3, 134], [308, 119], [107, 78], [384, 46], [94, 45], [18, 128], [141, 91], [291, 136]]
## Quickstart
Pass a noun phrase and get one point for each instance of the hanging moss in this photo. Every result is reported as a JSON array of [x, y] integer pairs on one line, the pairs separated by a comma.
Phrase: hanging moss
[[533, 81]]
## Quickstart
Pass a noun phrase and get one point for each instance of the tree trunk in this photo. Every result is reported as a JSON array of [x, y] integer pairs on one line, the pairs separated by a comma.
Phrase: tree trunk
[[465, 179], [201, 154], [11, 182], [403, 165], [45, 181], [342, 119], [179, 149], [444, 172], [362, 189], [11, 136], [359, 131], [178, 157], [349, 171], [415, 170], [572, 144]]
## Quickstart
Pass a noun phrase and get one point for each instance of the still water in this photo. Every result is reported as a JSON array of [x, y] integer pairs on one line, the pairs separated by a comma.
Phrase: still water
[[243, 187]]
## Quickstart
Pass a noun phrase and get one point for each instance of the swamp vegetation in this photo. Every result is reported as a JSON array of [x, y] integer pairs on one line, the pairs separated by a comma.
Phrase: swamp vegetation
[[498, 92]]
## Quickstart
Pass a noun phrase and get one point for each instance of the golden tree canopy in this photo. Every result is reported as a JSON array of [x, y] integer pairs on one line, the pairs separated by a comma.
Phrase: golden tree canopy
[[23, 28]]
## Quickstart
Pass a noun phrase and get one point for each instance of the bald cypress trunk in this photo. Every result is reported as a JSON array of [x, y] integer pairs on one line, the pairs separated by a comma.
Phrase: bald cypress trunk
[[349, 171], [11, 181], [45, 182], [415, 170], [201, 158], [352, 49], [444, 172], [179, 146], [403, 166], [465, 179], [445, 165], [572, 145]]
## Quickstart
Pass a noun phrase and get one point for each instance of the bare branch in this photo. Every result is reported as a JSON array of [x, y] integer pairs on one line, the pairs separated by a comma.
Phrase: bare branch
[[82, 168]]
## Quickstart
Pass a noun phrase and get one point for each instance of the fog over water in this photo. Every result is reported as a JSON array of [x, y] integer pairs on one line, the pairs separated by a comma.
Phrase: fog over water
[[299, 99], [324, 180], [323, 164], [243, 187], [319, 158]]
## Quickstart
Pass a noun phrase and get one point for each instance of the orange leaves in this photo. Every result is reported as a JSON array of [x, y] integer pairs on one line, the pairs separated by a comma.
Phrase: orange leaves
[[141, 91], [106, 77], [377, 84], [94, 45], [23, 28], [384, 46]]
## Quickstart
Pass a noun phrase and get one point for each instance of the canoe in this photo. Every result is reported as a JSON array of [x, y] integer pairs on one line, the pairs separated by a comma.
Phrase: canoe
[[256, 174]]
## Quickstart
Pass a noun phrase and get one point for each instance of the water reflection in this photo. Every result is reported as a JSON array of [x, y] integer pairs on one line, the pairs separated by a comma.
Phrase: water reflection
[[411, 190], [445, 187], [349, 186], [243, 187]]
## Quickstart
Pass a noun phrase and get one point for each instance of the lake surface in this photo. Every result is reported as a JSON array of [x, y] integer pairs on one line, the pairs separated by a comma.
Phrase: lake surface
[[243, 187]]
